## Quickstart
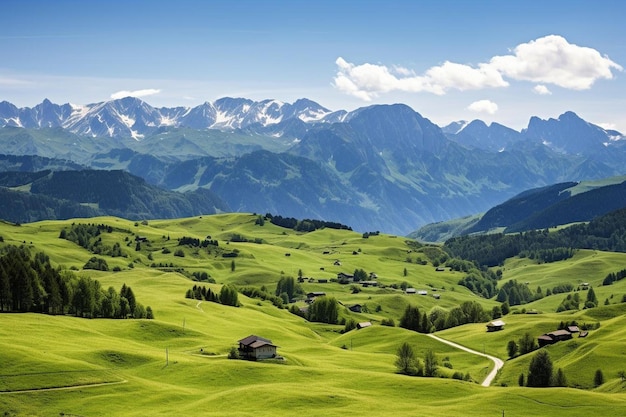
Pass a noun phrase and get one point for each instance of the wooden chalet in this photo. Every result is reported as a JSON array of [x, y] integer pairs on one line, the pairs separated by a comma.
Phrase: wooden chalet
[[494, 326], [553, 337], [256, 348], [363, 325], [310, 297]]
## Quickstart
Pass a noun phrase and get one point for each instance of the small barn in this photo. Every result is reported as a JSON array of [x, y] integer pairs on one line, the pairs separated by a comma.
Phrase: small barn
[[256, 348], [494, 326], [356, 308], [363, 325], [310, 297]]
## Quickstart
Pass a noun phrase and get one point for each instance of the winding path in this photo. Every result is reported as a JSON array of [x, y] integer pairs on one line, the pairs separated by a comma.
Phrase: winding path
[[498, 363]]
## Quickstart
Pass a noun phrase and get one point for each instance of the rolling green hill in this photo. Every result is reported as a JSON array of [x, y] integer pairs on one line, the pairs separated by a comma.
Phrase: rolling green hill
[[86, 193], [177, 363], [539, 208]]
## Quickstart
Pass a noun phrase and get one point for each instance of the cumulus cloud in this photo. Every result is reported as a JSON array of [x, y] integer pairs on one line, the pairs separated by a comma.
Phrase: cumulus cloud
[[368, 80], [548, 60], [483, 106], [542, 90], [136, 93], [553, 60]]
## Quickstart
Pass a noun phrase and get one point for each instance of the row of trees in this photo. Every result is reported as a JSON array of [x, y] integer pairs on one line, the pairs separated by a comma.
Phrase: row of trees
[[541, 373], [323, 310], [306, 225], [197, 243], [228, 295], [89, 237], [439, 319], [30, 284], [607, 233]]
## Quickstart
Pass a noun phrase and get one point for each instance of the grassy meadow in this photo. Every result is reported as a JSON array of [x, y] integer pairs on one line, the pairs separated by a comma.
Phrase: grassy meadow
[[177, 363]]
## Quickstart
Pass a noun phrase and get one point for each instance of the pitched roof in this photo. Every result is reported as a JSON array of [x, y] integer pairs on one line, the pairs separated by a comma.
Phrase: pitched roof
[[250, 340], [260, 343], [496, 323]]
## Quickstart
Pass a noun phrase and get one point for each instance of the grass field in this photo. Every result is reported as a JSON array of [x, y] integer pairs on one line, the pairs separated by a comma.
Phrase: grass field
[[177, 364]]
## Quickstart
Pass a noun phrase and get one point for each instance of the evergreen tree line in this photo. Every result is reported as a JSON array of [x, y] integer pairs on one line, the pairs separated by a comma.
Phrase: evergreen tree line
[[88, 236], [197, 243], [262, 294], [288, 289], [323, 310], [31, 284], [306, 225], [606, 233], [614, 277], [572, 302], [228, 295], [516, 293], [439, 319]]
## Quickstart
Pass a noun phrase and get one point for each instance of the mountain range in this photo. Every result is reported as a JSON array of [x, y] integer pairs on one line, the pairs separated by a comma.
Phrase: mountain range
[[382, 167]]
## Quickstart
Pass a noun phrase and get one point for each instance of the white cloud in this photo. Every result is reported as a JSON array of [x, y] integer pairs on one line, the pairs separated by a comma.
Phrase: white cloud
[[483, 106], [542, 90], [368, 80], [136, 93], [547, 60], [553, 60]]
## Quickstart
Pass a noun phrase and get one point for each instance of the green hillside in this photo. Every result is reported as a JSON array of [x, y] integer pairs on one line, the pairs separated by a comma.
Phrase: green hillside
[[177, 363]]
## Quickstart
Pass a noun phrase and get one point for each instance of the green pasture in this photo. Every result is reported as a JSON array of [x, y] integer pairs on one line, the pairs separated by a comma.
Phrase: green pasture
[[177, 364]]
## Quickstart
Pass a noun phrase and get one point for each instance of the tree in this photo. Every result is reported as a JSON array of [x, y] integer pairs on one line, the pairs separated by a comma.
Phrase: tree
[[559, 378], [505, 308], [598, 378], [229, 296], [233, 353], [520, 380], [406, 360], [324, 310], [540, 370], [511, 348], [411, 318], [149, 313], [232, 265], [592, 299], [496, 312], [526, 344], [289, 286], [430, 363], [622, 375], [405, 272]]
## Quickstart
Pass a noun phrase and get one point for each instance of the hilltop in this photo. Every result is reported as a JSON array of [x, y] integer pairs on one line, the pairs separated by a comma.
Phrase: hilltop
[[177, 363]]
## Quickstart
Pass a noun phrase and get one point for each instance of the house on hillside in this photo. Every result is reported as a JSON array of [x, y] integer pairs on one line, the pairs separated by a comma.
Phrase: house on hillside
[[553, 337], [256, 348], [410, 290], [363, 325], [494, 326], [356, 308], [310, 297]]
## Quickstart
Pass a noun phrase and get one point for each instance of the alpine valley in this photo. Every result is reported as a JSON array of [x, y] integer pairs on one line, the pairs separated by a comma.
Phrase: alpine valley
[[382, 167]]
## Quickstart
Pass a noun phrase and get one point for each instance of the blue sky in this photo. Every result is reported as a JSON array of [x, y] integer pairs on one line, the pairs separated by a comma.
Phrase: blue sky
[[502, 61]]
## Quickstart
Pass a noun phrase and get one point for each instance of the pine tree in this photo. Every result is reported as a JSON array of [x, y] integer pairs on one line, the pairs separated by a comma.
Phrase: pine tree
[[598, 378], [540, 370], [430, 363], [559, 378]]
